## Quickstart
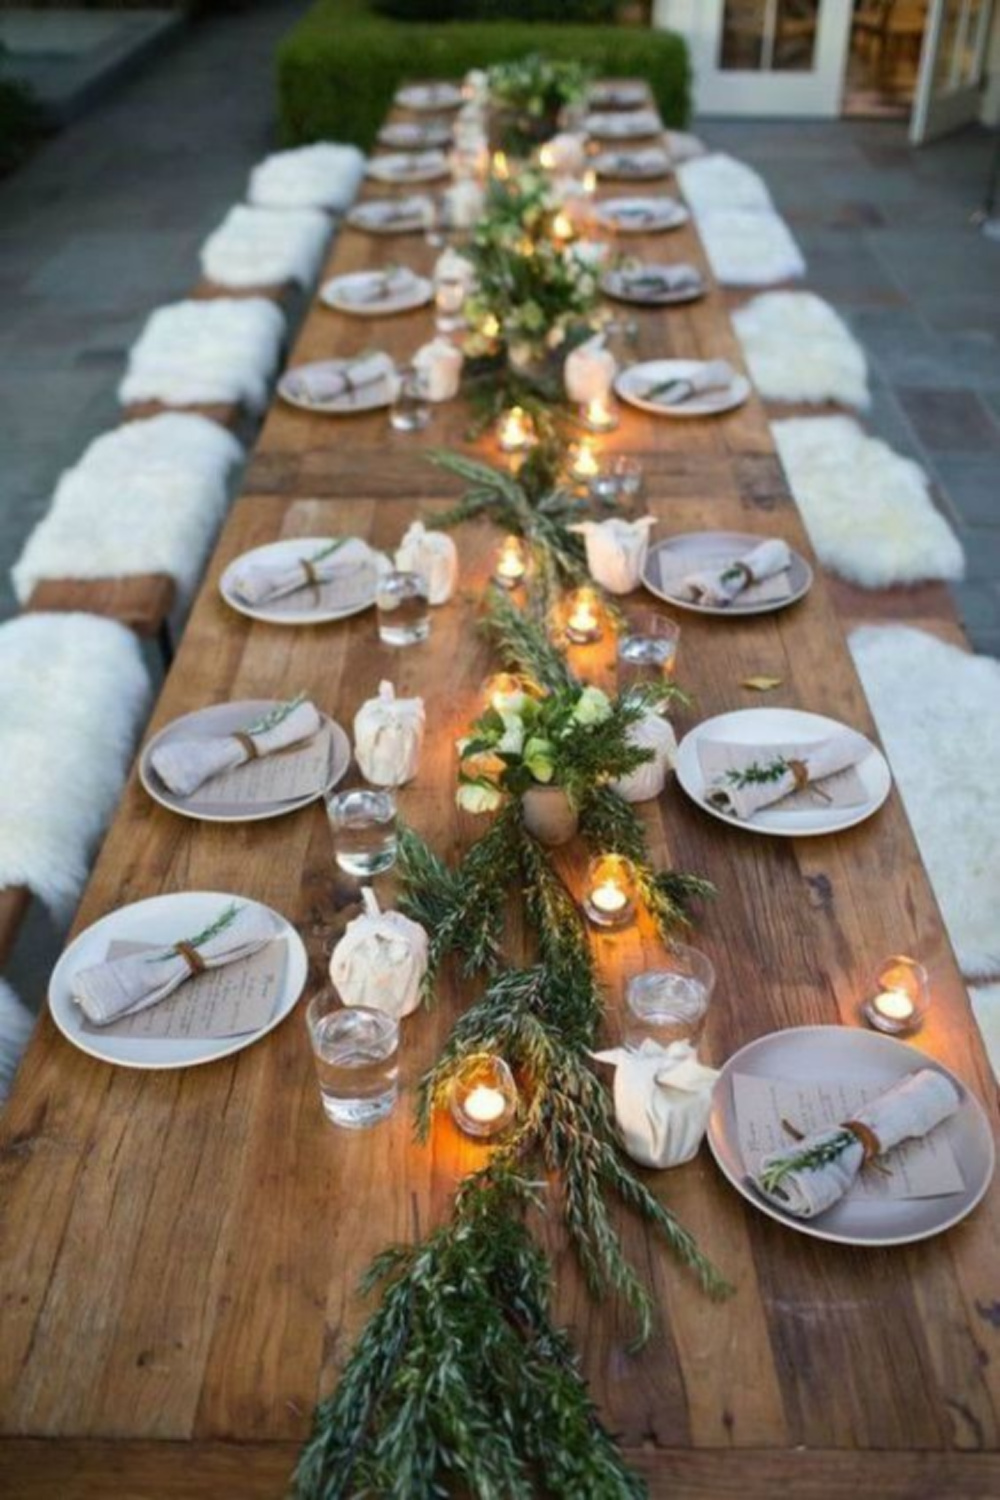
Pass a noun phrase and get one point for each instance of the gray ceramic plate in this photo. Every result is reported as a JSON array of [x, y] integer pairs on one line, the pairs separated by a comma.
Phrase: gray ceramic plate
[[698, 549]]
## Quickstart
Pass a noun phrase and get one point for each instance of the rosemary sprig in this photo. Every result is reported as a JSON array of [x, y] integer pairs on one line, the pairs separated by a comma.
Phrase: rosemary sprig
[[810, 1159], [276, 715], [757, 775], [222, 921]]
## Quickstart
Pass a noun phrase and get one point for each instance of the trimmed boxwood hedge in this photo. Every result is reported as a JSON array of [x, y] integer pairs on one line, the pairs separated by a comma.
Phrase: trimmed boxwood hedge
[[341, 64]]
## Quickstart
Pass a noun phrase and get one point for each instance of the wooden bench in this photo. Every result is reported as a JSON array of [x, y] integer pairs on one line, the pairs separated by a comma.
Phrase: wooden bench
[[142, 603], [14, 903]]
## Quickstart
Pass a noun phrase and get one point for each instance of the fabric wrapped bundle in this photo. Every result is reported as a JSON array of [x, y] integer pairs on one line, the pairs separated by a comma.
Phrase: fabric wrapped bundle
[[201, 353], [266, 247], [663, 1098], [815, 1173], [122, 986], [324, 175], [388, 737], [439, 364], [589, 372], [381, 960], [434, 556], [616, 551], [184, 765], [451, 266], [653, 732], [463, 204], [721, 585], [260, 582], [773, 776]]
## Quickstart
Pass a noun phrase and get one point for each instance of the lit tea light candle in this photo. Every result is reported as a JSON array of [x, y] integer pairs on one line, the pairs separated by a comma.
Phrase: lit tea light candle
[[583, 616], [512, 563], [485, 1105], [483, 1095], [589, 182], [609, 900], [900, 996], [600, 415], [500, 165], [584, 464], [563, 228], [547, 159], [515, 430], [503, 689]]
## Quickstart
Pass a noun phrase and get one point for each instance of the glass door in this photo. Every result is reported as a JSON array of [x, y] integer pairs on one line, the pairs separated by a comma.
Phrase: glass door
[[951, 67]]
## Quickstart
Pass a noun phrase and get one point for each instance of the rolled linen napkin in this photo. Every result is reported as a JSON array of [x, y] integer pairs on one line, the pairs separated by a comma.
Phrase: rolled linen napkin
[[259, 582], [663, 1097], [659, 281], [122, 986], [616, 551], [183, 765], [327, 382], [772, 775], [379, 286], [589, 372], [434, 556], [722, 585], [816, 1172], [711, 375], [381, 960], [439, 365]]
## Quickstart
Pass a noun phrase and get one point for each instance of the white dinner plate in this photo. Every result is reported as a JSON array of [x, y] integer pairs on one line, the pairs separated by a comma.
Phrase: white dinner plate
[[623, 95], [631, 382], [164, 919], [781, 726], [648, 215], [624, 125], [700, 549], [415, 135], [219, 720], [369, 398], [290, 549], [425, 97], [637, 166], [352, 293], [406, 166], [831, 1054], [616, 283], [393, 215]]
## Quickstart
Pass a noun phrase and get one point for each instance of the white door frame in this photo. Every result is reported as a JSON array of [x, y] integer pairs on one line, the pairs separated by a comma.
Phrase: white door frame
[[935, 113]]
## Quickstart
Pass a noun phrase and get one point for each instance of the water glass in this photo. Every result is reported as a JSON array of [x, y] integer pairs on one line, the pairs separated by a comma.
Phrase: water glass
[[357, 1064], [402, 607], [449, 304], [363, 824], [410, 410], [618, 484], [670, 1004], [647, 650]]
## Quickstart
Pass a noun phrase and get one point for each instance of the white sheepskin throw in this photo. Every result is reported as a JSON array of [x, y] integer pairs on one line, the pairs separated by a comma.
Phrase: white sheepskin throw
[[326, 175], [74, 694], [266, 247], [938, 712], [15, 1028], [224, 349], [685, 147], [985, 1000], [798, 349], [868, 510], [147, 497], [749, 247], [720, 181]]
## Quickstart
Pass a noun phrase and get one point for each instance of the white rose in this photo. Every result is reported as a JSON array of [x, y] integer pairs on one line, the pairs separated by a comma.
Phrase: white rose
[[478, 797]]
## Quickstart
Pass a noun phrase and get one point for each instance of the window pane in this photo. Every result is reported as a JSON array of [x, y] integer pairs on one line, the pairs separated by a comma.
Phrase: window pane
[[945, 62], [744, 27], [796, 27]]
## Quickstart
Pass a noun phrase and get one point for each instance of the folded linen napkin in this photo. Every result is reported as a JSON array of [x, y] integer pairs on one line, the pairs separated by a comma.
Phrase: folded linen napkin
[[260, 582], [184, 764], [398, 211], [772, 775], [328, 382], [663, 1097], [658, 281], [710, 375], [640, 162], [395, 168], [721, 585], [124, 985], [815, 1173], [379, 286]]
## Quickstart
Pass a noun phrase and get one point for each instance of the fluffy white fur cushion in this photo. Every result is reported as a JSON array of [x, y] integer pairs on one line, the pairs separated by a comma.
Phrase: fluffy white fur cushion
[[147, 497], [223, 349], [986, 1009], [76, 693], [749, 247], [938, 713], [868, 510], [326, 175], [266, 247], [684, 147], [720, 181], [15, 1028], [798, 349]]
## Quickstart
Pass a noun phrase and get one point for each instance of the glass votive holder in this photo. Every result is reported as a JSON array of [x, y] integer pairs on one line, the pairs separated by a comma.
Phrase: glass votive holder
[[600, 415], [402, 607], [610, 894], [512, 563], [515, 430], [356, 1052], [482, 1096], [505, 689], [669, 1004], [647, 650], [449, 304], [363, 824], [900, 996], [618, 484], [410, 410], [584, 465], [582, 619]]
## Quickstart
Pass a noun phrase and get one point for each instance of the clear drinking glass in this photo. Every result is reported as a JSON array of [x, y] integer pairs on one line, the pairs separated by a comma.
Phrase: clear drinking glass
[[449, 304], [618, 484], [363, 824], [669, 1004], [403, 611], [647, 650], [356, 1051], [410, 410]]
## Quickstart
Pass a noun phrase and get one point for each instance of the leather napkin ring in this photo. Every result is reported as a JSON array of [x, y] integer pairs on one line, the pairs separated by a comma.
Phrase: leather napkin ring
[[800, 771], [191, 957], [247, 741], [870, 1143], [744, 572], [311, 575]]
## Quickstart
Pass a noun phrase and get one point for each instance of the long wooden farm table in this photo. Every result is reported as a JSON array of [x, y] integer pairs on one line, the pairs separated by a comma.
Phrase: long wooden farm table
[[179, 1252]]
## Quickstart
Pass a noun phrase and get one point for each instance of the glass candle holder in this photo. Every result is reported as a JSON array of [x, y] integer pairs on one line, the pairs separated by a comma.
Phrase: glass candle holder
[[503, 687], [563, 229], [356, 1052], [512, 563], [618, 484], [483, 1096], [600, 415], [515, 430], [647, 650], [449, 303], [610, 895], [410, 410], [900, 996], [669, 1004], [583, 616], [363, 824], [404, 616], [584, 465]]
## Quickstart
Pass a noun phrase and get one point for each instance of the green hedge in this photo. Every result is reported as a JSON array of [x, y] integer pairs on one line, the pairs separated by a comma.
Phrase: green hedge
[[499, 10], [340, 66]]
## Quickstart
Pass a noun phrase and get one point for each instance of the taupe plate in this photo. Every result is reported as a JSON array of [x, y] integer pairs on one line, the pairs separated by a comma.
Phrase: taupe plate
[[616, 283], [695, 550]]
